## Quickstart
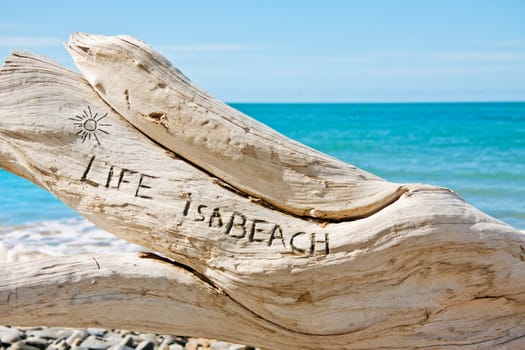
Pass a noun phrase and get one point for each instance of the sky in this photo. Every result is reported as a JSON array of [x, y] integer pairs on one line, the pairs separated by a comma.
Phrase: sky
[[303, 51]]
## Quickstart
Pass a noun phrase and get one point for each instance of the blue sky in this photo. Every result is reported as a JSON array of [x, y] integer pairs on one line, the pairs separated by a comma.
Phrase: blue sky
[[304, 51]]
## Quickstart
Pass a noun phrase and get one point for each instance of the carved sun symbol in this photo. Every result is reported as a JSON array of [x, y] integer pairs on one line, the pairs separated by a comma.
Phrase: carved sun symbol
[[89, 125]]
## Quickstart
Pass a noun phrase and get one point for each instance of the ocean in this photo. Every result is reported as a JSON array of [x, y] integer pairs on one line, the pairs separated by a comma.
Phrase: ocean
[[475, 149]]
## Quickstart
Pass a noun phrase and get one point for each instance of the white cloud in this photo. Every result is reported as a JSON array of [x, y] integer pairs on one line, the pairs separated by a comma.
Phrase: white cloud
[[447, 56], [426, 58], [486, 57], [502, 43], [28, 41], [200, 48]]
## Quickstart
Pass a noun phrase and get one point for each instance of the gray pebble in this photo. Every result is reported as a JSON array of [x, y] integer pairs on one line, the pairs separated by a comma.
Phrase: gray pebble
[[145, 345], [58, 344], [76, 343], [148, 337], [235, 347], [97, 331], [19, 345], [181, 340], [197, 343], [136, 339], [37, 342], [7, 329], [120, 347], [127, 341], [77, 336], [219, 345], [176, 346], [222, 345], [168, 339], [166, 342], [113, 339], [9, 335], [47, 333], [95, 343], [9, 338]]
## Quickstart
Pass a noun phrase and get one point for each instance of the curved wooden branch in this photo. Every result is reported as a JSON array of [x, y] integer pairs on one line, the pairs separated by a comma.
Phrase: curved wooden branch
[[160, 101], [426, 270], [148, 293], [133, 291]]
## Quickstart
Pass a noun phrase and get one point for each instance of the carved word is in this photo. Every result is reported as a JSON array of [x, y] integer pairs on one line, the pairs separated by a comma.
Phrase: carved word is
[[237, 225]]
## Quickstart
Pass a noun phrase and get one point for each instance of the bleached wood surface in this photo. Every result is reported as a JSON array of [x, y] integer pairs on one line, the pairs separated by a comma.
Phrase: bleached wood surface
[[132, 291], [160, 101], [427, 270], [144, 293]]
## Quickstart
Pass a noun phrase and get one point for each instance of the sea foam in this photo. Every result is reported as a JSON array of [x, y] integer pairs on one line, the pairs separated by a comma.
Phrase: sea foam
[[64, 237]]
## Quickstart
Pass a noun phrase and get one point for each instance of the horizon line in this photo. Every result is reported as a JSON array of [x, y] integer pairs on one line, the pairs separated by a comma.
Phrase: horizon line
[[374, 102]]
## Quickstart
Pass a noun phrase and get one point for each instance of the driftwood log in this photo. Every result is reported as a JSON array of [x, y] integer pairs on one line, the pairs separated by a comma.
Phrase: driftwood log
[[262, 240]]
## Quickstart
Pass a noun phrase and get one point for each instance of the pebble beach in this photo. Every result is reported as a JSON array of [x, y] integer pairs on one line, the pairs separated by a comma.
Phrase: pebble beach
[[40, 338], [44, 240]]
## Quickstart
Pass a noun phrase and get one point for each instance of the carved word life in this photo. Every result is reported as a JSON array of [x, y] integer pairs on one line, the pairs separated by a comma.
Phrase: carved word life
[[117, 177], [232, 224]]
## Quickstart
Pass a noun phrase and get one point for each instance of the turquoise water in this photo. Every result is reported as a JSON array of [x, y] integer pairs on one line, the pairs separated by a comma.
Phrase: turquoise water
[[476, 149]]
